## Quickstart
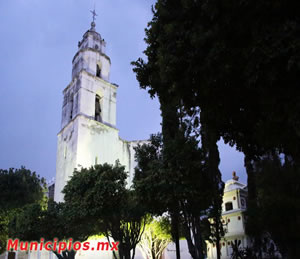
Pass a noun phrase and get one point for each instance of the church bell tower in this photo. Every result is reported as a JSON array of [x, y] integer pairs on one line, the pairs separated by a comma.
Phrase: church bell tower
[[88, 134]]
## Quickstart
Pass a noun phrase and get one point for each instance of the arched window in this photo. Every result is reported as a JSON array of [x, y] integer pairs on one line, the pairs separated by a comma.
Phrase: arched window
[[228, 206], [71, 107], [98, 71], [97, 108]]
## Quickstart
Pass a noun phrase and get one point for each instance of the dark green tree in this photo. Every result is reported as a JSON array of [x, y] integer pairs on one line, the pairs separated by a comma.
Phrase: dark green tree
[[232, 59], [167, 74], [209, 140], [235, 66], [186, 183], [34, 222], [99, 194], [276, 214], [3, 231], [18, 187]]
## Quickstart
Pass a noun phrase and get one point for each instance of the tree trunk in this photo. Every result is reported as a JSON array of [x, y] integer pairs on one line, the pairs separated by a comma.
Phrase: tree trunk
[[252, 205], [192, 224], [209, 138], [191, 247], [108, 239], [170, 128], [133, 253], [248, 161], [175, 232], [218, 239], [124, 252]]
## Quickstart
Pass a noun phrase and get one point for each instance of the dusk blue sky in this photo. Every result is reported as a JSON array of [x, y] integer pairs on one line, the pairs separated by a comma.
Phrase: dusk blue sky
[[38, 41]]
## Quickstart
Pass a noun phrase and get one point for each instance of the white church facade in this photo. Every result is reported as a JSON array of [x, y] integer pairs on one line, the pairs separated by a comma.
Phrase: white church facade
[[88, 134]]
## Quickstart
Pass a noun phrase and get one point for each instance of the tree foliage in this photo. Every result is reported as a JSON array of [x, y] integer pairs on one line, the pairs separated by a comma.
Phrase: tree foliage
[[3, 232], [233, 59], [58, 221], [233, 68], [99, 195], [276, 214], [185, 183], [156, 238], [18, 187], [171, 73]]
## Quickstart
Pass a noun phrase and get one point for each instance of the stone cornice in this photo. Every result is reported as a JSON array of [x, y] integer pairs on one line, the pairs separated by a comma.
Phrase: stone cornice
[[89, 118], [93, 50], [83, 71]]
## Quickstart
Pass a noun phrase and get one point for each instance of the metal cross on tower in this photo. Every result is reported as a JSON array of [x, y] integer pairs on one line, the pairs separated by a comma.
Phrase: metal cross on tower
[[94, 14]]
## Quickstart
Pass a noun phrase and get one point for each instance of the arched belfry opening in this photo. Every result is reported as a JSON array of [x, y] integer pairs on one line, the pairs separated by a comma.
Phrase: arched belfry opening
[[71, 107], [98, 71], [98, 108]]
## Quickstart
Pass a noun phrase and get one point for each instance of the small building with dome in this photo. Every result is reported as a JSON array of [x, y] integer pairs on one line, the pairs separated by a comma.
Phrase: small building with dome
[[233, 219]]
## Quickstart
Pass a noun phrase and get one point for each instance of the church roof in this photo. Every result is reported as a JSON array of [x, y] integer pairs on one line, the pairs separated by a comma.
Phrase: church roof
[[233, 185]]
